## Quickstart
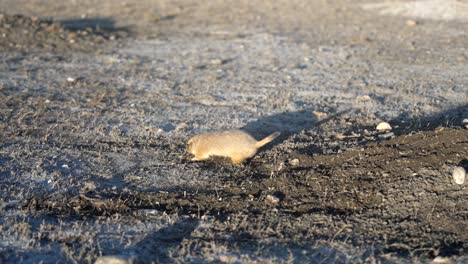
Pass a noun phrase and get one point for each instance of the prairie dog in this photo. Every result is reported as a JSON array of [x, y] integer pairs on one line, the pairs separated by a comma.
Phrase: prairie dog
[[234, 144]]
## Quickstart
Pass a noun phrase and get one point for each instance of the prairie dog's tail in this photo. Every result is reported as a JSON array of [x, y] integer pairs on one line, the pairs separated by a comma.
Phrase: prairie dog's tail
[[267, 140]]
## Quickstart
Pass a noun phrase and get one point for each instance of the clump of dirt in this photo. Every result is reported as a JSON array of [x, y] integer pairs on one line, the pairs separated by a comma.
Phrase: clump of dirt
[[23, 33]]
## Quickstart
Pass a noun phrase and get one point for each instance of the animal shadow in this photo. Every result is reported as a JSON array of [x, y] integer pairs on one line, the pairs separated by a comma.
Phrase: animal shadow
[[287, 123], [156, 247], [98, 24]]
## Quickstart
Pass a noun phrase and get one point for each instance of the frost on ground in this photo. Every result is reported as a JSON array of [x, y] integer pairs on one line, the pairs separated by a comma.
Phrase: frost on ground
[[424, 9], [93, 133]]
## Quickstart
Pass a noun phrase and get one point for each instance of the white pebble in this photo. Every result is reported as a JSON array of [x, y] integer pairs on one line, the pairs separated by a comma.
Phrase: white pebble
[[364, 98], [224, 258], [459, 174], [411, 23], [294, 162], [272, 199], [111, 260], [442, 260], [216, 61], [465, 122], [383, 126], [319, 115]]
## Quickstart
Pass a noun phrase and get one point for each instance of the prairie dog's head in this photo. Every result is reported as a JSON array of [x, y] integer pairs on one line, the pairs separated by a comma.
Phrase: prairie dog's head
[[191, 144]]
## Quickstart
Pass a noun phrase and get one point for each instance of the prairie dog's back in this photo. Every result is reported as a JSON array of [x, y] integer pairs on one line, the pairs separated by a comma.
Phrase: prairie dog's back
[[230, 141], [235, 144]]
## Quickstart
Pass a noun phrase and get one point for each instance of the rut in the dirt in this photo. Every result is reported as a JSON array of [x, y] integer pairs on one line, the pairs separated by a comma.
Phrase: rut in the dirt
[[395, 191]]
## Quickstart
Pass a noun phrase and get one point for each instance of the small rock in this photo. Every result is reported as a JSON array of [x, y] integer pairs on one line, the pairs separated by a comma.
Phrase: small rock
[[324, 49], [411, 23], [319, 115], [280, 167], [181, 126], [458, 175], [111, 260], [386, 135], [294, 162], [442, 260], [71, 80], [465, 123], [364, 98], [228, 258], [383, 126], [272, 199], [72, 35], [216, 61], [149, 212], [88, 186], [340, 136]]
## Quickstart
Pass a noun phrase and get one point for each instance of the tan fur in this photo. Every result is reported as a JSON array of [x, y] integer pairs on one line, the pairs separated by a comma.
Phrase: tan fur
[[234, 144]]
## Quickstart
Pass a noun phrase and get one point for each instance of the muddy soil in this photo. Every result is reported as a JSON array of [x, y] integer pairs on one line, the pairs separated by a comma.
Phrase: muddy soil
[[97, 101]]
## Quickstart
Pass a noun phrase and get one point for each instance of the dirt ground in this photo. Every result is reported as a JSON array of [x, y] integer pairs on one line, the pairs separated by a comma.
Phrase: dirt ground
[[98, 98]]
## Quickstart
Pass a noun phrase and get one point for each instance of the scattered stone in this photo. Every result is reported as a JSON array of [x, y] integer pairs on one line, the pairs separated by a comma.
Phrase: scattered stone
[[465, 123], [181, 126], [459, 174], [72, 35], [228, 258], [383, 126], [442, 260], [319, 115], [111, 260], [324, 49], [364, 98], [294, 162], [272, 199], [280, 166], [340, 136], [150, 212], [411, 23], [88, 186], [387, 135], [216, 61]]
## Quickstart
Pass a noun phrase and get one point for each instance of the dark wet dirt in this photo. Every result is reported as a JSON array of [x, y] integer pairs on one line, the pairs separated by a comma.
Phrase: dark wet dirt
[[396, 195], [26, 34]]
